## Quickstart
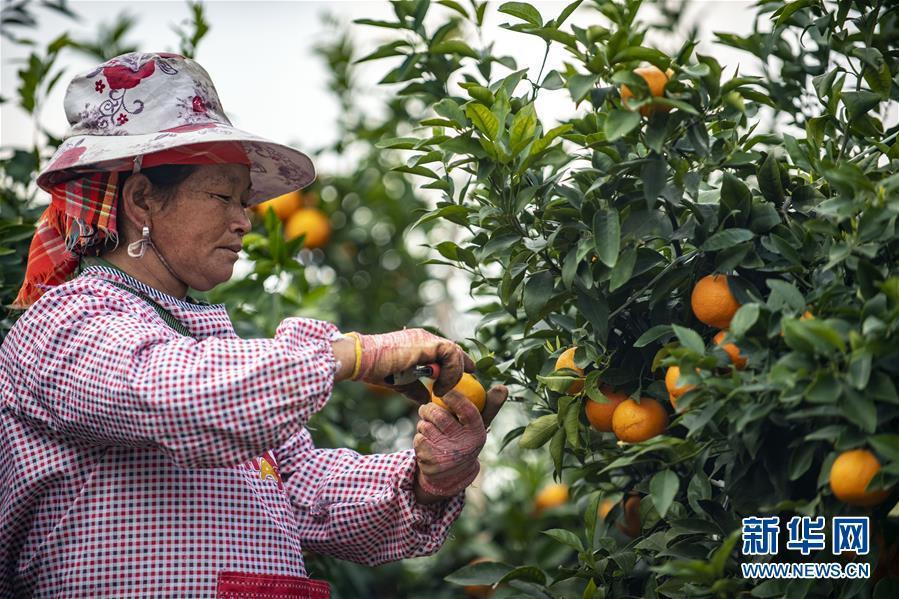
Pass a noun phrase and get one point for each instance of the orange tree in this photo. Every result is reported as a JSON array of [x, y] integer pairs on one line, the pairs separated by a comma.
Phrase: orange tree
[[636, 231]]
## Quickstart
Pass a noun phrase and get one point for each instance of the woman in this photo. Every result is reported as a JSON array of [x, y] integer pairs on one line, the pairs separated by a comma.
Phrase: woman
[[147, 449]]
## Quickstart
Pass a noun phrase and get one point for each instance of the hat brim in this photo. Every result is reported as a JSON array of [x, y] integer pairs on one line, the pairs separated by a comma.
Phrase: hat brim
[[275, 169]]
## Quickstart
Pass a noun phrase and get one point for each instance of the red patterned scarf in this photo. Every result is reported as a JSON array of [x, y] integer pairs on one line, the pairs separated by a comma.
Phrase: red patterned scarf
[[81, 217]]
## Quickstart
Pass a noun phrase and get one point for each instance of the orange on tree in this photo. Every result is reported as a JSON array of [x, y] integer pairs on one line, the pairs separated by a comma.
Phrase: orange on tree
[[467, 386], [552, 495], [631, 525], [849, 477], [731, 349], [674, 392], [312, 223], [635, 422], [605, 506], [712, 301], [600, 414], [283, 205], [566, 360], [656, 81]]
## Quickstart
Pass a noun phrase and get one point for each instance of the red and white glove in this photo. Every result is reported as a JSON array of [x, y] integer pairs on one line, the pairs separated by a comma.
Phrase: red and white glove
[[448, 442], [390, 353]]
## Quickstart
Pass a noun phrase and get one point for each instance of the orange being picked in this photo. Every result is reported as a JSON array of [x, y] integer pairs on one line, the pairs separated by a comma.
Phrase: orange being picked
[[731, 349], [600, 414], [283, 205], [849, 477], [467, 386], [712, 301], [566, 360], [635, 422], [674, 392], [656, 81], [312, 223], [552, 495]]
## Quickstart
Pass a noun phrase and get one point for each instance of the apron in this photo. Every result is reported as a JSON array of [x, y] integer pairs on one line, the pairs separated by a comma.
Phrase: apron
[[241, 585]]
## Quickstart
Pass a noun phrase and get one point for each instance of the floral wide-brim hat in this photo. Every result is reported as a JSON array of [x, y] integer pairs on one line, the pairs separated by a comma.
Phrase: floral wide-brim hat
[[140, 104]]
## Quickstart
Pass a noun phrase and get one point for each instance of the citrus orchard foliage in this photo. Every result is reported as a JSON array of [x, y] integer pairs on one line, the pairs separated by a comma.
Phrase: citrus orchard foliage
[[724, 238]]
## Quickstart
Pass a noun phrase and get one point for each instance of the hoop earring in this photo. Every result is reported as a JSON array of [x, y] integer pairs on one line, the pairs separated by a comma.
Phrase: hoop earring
[[137, 248]]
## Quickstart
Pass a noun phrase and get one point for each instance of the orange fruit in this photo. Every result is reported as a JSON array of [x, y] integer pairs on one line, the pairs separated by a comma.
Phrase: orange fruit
[[731, 349], [674, 392], [283, 205], [712, 301], [807, 316], [656, 80], [635, 422], [552, 495], [600, 414], [850, 474], [566, 360], [605, 506], [469, 387], [312, 223], [631, 526]]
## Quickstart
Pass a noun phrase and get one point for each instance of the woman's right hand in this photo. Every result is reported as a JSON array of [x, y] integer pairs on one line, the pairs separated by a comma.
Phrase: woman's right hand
[[390, 353]]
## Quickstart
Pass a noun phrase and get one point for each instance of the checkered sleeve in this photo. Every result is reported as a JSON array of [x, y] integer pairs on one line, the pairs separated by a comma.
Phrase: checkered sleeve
[[361, 508], [93, 369]]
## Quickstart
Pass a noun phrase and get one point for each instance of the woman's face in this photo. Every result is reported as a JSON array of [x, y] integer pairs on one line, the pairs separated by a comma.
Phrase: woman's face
[[200, 230]]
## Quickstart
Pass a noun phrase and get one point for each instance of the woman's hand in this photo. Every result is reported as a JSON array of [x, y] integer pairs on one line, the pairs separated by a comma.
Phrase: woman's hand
[[387, 354], [448, 442]]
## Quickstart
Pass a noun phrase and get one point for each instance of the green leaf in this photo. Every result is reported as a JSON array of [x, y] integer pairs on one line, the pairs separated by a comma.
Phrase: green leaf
[[689, 338], [745, 317], [770, 182], [526, 573], [537, 291], [579, 85], [859, 103], [619, 123], [786, 293], [859, 410], [651, 55], [566, 537], [453, 47], [483, 120], [607, 235], [653, 334], [522, 129], [539, 431], [886, 445], [484, 573], [621, 273], [448, 108], [801, 460], [523, 11], [663, 488], [726, 239], [572, 425], [787, 10]]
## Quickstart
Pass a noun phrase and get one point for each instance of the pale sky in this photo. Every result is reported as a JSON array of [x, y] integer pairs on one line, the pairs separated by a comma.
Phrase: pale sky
[[259, 55]]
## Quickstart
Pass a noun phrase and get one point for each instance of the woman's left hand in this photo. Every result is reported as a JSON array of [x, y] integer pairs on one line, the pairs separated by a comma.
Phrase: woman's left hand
[[448, 442]]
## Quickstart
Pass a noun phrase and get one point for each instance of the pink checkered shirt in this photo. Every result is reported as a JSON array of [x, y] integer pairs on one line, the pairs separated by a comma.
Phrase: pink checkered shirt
[[138, 462]]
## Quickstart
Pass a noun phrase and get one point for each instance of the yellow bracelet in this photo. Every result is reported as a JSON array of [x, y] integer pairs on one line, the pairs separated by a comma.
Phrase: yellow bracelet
[[358, 366]]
